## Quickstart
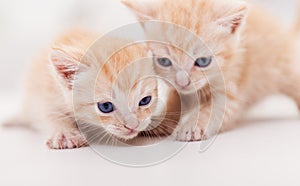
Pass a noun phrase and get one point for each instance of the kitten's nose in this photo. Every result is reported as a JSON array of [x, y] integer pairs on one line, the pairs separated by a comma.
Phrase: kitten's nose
[[182, 79], [131, 123]]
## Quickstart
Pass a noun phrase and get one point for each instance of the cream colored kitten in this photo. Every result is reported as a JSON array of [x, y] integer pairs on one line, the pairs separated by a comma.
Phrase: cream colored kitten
[[97, 85], [254, 53]]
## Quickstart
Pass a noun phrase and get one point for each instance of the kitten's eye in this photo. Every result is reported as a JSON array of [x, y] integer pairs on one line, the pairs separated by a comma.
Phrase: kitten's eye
[[203, 62], [106, 108], [145, 101], [165, 62]]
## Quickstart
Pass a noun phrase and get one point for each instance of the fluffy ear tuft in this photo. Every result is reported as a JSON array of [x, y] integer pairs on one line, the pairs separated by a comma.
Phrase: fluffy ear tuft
[[66, 66], [235, 19], [143, 9]]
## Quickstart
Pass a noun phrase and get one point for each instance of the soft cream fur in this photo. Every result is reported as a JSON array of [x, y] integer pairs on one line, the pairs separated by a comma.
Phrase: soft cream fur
[[254, 53], [66, 83]]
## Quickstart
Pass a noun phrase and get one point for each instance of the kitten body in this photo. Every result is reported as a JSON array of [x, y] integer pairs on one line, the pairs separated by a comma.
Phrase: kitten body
[[70, 83], [249, 47]]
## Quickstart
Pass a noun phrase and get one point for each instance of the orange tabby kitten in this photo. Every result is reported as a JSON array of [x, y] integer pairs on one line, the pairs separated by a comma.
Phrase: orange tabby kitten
[[256, 56], [91, 88]]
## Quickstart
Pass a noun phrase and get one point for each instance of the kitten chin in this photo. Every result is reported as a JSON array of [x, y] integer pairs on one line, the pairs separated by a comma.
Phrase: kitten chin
[[191, 89]]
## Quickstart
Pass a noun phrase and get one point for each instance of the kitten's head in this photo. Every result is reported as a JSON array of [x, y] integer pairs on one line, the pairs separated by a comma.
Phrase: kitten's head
[[195, 57], [114, 91]]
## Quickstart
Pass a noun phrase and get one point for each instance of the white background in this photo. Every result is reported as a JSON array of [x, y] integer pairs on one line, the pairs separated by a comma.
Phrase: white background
[[262, 152]]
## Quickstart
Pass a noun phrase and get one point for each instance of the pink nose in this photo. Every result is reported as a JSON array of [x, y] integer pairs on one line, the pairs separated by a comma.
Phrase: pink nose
[[183, 84], [131, 123], [182, 79]]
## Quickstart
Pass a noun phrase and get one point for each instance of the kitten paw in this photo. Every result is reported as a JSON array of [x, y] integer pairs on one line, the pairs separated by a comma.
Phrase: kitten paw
[[67, 140], [189, 133]]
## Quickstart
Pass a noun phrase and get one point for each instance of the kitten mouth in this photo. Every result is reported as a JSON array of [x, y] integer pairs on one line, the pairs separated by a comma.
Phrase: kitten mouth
[[130, 134], [185, 89], [188, 87], [124, 134]]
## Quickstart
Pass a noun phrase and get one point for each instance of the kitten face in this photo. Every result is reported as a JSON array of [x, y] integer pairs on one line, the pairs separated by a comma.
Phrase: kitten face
[[187, 73], [125, 107], [117, 93], [194, 61]]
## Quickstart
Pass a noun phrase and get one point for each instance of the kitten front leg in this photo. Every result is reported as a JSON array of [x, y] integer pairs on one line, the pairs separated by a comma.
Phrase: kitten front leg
[[67, 136], [211, 119], [192, 126]]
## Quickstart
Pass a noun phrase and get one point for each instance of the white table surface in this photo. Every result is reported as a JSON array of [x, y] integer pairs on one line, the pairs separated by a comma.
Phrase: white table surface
[[258, 153]]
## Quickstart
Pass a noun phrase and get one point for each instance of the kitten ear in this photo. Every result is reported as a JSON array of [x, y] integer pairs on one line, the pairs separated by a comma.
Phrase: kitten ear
[[66, 66], [233, 22], [143, 9]]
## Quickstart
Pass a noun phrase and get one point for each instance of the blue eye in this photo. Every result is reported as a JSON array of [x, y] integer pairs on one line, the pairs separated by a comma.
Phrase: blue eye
[[203, 62], [145, 101], [165, 62], [106, 108]]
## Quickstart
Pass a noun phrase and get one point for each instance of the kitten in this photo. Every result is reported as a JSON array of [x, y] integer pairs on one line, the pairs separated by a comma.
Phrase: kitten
[[255, 54], [94, 84]]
